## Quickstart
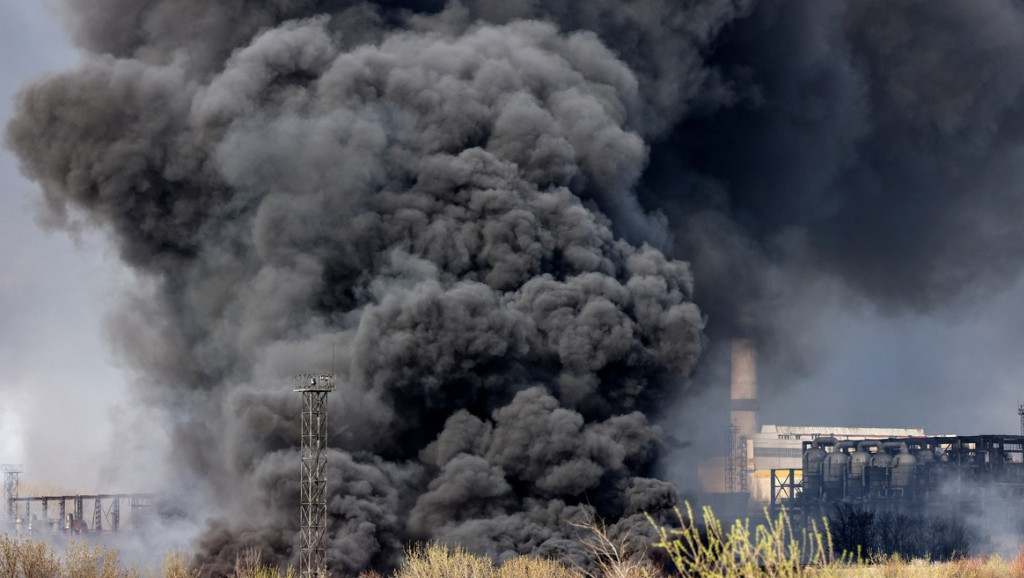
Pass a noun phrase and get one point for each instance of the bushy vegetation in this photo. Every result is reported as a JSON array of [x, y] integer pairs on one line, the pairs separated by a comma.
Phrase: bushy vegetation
[[25, 558], [775, 549], [36, 559], [771, 549], [704, 548], [435, 560]]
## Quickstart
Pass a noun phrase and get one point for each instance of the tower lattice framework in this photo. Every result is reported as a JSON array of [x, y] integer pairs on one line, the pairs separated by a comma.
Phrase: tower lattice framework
[[313, 488], [11, 473]]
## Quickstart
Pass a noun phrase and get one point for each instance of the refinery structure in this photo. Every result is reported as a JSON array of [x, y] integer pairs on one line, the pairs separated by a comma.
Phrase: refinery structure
[[72, 513], [812, 469], [931, 474]]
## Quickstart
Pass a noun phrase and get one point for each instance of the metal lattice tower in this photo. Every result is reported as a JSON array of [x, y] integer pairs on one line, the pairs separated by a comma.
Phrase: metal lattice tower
[[97, 515], [730, 460], [1020, 412], [313, 488], [11, 489]]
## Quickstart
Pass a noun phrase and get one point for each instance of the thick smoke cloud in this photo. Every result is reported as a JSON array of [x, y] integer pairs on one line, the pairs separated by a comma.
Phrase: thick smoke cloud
[[426, 206], [875, 142], [487, 212]]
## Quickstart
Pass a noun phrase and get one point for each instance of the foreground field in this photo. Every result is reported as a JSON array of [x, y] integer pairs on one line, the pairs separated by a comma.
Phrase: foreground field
[[968, 568], [707, 549]]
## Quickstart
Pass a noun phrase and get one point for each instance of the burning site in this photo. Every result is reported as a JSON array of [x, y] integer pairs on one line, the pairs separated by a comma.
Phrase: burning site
[[559, 259]]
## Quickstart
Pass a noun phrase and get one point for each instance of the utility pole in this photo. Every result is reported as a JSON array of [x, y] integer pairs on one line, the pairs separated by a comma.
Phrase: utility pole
[[313, 488]]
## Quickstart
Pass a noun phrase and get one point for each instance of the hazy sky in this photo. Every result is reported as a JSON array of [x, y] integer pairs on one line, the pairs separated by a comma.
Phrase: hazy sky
[[58, 381], [60, 385], [956, 372]]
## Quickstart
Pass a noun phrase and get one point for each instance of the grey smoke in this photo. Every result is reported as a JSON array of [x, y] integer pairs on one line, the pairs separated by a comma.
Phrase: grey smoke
[[428, 205], [489, 210], [865, 143]]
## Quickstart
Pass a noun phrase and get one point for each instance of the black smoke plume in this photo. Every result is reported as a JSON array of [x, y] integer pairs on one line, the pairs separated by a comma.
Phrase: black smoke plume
[[489, 209], [870, 142]]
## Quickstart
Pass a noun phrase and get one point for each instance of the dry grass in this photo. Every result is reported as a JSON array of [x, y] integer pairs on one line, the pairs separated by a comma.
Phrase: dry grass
[[770, 550], [773, 549], [981, 567], [175, 565], [20, 558], [36, 559], [437, 561], [250, 565], [35, 488], [523, 567], [82, 560], [428, 561]]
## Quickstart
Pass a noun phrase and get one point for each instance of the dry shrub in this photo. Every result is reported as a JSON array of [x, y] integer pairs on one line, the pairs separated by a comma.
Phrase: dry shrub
[[435, 560], [10, 555], [248, 562], [895, 566], [175, 565], [1016, 567], [249, 565], [992, 567], [38, 560], [523, 567], [613, 557], [439, 561], [84, 561]]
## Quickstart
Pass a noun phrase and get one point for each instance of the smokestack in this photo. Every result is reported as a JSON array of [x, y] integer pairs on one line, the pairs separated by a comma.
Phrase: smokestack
[[743, 409]]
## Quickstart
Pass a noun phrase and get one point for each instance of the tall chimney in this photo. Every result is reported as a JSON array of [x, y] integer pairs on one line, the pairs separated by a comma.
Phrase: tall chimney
[[743, 410]]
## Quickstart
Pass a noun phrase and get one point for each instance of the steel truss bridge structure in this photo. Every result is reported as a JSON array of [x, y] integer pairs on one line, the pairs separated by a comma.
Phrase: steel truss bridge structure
[[67, 513]]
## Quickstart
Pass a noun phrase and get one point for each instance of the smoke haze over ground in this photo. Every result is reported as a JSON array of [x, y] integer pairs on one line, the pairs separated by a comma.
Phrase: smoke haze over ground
[[519, 224]]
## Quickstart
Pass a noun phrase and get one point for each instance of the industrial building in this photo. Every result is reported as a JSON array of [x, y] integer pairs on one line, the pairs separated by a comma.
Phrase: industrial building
[[766, 464], [812, 469], [947, 475], [781, 448]]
